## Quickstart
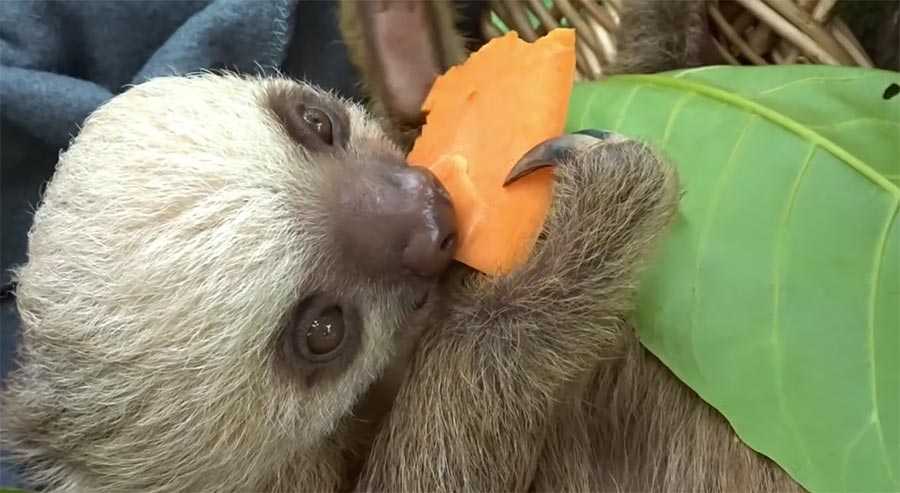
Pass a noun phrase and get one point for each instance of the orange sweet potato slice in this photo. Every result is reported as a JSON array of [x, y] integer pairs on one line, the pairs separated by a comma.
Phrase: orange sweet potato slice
[[483, 116]]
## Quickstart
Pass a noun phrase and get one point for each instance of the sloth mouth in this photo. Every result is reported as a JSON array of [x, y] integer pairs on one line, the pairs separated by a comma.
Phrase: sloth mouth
[[420, 302]]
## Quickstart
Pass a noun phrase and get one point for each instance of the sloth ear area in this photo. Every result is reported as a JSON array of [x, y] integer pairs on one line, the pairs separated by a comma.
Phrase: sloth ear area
[[400, 47]]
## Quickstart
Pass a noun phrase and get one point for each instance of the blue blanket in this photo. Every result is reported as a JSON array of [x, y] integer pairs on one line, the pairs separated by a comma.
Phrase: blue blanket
[[62, 59]]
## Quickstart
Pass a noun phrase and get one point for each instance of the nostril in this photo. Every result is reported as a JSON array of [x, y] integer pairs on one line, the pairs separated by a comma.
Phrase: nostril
[[431, 248], [441, 190], [448, 242]]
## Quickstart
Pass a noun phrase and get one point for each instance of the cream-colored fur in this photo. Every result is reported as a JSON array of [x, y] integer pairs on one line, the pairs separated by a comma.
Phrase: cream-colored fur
[[180, 227]]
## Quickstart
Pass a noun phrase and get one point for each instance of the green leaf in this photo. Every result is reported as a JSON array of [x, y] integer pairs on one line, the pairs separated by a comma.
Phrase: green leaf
[[776, 296]]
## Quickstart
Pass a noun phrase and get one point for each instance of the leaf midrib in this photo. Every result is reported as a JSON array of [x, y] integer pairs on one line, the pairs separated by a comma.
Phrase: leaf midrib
[[816, 140], [772, 115]]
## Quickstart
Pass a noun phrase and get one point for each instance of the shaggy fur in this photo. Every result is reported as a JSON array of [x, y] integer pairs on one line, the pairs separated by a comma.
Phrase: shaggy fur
[[660, 35], [536, 381], [182, 224]]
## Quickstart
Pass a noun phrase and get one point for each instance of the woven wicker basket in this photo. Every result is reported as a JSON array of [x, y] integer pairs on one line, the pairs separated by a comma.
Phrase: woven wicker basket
[[745, 32]]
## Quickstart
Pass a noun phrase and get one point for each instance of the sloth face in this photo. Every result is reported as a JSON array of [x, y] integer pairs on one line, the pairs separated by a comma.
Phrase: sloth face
[[224, 261]]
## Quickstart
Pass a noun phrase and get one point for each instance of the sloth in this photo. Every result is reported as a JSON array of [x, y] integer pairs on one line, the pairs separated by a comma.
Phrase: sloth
[[222, 265], [238, 284], [219, 267]]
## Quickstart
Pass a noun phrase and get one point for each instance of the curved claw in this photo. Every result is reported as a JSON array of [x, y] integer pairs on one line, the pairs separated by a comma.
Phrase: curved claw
[[551, 151]]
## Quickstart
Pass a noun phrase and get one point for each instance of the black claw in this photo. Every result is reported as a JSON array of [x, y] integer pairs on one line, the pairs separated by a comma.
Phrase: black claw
[[593, 132], [551, 151]]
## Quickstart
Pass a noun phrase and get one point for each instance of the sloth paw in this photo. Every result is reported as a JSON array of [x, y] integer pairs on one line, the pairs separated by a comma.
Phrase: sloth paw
[[598, 170], [559, 150], [611, 194]]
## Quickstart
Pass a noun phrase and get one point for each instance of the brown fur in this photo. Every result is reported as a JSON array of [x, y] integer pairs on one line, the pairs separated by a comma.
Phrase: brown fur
[[536, 382], [481, 390], [634, 426], [660, 35], [876, 24]]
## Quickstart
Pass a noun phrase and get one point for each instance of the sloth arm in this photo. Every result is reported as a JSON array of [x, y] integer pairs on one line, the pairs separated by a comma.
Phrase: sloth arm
[[481, 394], [481, 389]]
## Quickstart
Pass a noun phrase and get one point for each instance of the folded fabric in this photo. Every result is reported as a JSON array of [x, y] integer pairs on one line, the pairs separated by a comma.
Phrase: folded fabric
[[60, 60]]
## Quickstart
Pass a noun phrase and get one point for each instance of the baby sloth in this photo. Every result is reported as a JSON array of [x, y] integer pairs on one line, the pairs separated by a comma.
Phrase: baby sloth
[[223, 266], [218, 270]]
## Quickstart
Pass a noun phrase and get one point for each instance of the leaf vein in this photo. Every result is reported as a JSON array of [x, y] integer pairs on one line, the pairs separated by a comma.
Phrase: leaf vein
[[625, 106], [692, 71], [803, 81], [780, 254], [673, 115], [855, 121], [707, 219], [725, 97], [849, 448], [880, 249], [587, 108]]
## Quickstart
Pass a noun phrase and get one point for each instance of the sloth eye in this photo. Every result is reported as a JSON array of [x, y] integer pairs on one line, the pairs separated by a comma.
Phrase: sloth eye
[[325, 332], [319, 338], [319, 122]]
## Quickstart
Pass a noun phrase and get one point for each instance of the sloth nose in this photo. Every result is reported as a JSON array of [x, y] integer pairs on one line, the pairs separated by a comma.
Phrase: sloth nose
[[432, 234], [399, 222]]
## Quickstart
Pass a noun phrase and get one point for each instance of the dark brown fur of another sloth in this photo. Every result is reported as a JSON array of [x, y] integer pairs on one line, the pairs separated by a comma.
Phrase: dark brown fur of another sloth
[[536, 381], [660, 35]]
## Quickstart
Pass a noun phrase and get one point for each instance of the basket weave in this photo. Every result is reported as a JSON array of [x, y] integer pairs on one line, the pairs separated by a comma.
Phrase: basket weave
[[745, 32]]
